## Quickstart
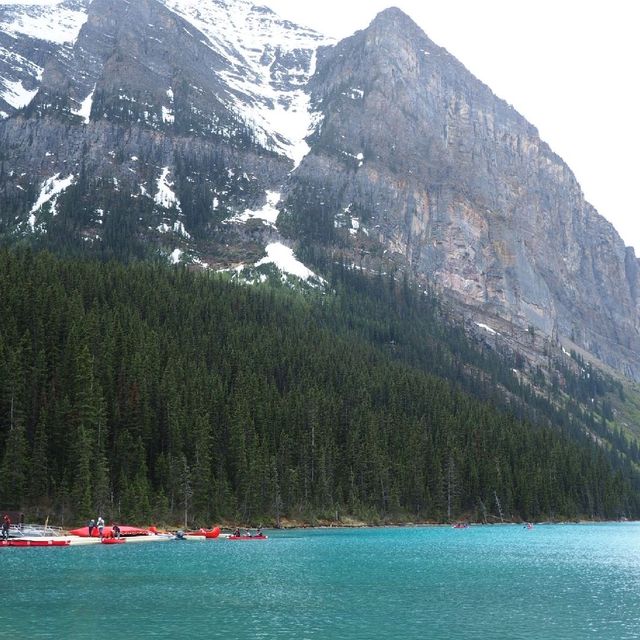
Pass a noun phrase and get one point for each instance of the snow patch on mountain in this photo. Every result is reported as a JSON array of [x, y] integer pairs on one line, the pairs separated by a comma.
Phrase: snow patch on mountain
[[269, 213], [270, 61], [57, 21], [49, 192], [85, 107], [19, 64], [279, 123], [177, 228], [14, 93], [284, 259], [165, 195], [487, 328], [168, 116]]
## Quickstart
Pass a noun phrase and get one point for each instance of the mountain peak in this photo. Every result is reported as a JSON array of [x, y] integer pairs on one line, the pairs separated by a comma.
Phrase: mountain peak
[[394, 18], [391, 13], [398, 30]]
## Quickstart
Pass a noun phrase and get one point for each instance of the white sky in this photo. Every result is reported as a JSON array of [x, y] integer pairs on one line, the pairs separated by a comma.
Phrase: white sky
[[569, 66]]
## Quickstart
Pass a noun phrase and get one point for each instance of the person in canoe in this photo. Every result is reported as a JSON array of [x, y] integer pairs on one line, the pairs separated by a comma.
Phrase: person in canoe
[[236, 533], [115, 531]]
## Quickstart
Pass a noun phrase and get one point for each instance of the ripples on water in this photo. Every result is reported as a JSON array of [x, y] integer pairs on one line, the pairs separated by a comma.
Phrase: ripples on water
[[504, 582]]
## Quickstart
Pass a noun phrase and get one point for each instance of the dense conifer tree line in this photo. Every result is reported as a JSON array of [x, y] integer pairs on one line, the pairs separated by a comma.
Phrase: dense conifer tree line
[[154, 394]]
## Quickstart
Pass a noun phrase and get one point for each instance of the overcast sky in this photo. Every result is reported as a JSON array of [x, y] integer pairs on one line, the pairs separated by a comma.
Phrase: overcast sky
[[569, 66]]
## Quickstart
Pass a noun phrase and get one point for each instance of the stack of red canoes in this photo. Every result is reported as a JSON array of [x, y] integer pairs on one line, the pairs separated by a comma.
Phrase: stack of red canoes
[[125, 531], [18, 542]]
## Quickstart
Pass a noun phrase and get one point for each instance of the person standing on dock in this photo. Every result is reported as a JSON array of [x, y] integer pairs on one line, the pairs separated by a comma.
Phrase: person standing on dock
[[91, 526], [100, 525], [6, 524]]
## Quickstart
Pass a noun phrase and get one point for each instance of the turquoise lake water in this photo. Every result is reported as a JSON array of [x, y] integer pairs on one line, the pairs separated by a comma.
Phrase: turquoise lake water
[[553, 582]]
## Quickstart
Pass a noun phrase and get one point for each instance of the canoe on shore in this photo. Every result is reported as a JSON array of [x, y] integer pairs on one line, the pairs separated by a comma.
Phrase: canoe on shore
[[34, 543]]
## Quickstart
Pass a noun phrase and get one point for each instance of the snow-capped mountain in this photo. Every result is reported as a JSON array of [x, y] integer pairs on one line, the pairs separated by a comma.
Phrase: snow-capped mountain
[[206, 132], [196, 112], [263, 61]]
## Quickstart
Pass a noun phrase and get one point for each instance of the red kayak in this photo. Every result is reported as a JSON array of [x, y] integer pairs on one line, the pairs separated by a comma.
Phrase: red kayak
[[247, 537], [34, 543], [209, 535], [113, 540]]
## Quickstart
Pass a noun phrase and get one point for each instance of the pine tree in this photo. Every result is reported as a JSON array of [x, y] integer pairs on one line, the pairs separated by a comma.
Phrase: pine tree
[[39, 479], [14, 469]]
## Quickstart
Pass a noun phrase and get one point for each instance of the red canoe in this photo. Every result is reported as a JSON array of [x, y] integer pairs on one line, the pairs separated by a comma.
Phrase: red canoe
[[247, 537], [34, 543], [112, 540], [83, 532]]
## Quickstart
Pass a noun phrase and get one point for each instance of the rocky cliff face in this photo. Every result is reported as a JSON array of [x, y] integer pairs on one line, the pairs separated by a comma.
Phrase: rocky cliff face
[[176, 126], [420, 156]]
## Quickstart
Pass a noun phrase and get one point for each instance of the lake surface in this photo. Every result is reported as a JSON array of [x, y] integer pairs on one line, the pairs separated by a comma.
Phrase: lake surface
[[552, 582]]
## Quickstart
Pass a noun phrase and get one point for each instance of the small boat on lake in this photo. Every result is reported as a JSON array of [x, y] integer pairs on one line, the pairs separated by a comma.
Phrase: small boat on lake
[[113, 540], [260, 537]]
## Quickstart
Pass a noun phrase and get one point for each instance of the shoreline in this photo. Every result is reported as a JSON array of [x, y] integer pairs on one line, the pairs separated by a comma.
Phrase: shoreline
[[286, 525], [165, 533], [293, 526]]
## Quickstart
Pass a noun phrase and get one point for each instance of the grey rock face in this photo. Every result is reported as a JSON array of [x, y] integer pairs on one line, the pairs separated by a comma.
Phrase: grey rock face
[[460, 188]]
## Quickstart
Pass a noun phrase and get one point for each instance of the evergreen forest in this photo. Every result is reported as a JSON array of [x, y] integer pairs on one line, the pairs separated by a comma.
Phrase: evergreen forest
[[156, 395]]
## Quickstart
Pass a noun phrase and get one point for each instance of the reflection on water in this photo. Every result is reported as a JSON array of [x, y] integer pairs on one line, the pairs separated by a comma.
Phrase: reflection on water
[[552, 582]]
